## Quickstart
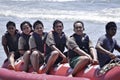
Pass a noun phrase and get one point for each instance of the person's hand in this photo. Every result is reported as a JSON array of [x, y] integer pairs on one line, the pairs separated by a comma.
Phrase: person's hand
[[95, 62], [112, 56], [64, 60], [90, 58]]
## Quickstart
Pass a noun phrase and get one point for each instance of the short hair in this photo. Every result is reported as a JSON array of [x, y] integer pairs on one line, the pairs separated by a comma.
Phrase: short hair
[[9, 23], [78, 22], [110, 24], [36, 23], [56, 22], [25, 22]]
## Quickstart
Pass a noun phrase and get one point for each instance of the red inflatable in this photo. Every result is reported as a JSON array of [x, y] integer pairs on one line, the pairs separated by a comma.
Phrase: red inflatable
[[92, 72]]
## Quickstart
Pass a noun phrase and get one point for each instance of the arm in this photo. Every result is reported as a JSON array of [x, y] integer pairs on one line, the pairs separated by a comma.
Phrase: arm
[[51, 43], [73, 46], [4, 43], [21, 46], [117, 47], [32, 43], [53, 47], [93, 52], [82, 53], [104, 51]]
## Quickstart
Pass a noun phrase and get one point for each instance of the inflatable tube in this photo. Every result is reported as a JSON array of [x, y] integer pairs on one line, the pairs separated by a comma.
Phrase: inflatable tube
[[6, 74], [91, 72]]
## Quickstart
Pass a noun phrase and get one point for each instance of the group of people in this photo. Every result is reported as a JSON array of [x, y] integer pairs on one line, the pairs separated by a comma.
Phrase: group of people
[[38, 47]]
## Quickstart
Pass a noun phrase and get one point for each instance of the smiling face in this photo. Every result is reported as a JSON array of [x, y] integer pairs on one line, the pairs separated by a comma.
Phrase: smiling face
[[11, 29], [78, 28], [58, 28], [39, 29], [26, 29]]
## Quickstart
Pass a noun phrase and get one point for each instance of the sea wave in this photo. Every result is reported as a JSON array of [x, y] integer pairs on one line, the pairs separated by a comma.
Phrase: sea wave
[[100, 16]]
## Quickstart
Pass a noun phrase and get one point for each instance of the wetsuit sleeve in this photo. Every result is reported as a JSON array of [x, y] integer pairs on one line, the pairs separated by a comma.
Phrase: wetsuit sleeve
[[90, 44], [71, 43], [50, 40], [100, 41], [21, 43], [32, 43]]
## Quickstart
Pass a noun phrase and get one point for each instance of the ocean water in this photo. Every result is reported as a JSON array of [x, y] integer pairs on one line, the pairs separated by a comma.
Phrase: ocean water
[[94, 13]]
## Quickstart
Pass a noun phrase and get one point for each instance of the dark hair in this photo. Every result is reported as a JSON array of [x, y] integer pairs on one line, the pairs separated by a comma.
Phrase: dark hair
[[110, 24], [9, 23], [25, 22], [56, 22], [78, 22], [36, 23]]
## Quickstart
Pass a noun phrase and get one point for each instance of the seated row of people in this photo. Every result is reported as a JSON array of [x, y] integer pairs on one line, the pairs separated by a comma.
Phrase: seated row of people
[[38, 47]]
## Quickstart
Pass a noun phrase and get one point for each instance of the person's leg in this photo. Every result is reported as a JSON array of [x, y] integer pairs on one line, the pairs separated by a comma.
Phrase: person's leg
[[26, 58], [12, 60], [83, 61], [52, 58], [35, 57]]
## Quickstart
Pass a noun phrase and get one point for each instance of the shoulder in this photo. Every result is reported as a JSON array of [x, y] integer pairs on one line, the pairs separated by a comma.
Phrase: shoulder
[[85, 35], [45, 34], [103, 37], [31, 37], [21, 38], [3, 36], [50, 34]]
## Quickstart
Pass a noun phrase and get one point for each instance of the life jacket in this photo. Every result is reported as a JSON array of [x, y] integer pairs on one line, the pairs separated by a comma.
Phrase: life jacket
[[82, 42], [60, 43], [39, 41], [12, 44], [26, 38]]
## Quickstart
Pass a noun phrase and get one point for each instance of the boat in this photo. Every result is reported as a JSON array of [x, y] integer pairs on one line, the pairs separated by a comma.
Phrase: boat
[[110, 71]]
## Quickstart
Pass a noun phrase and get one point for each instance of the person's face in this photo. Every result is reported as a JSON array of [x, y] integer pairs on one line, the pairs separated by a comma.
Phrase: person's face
[[26, 28], [112, 31], [58, 28], [11, 29], [78, 28], [39, 29]]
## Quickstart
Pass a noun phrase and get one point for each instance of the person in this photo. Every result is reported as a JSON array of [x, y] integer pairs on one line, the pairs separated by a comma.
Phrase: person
[[81, 51], [23, 43], [106, 44], [10, 43], [37, 45], [56, 43]]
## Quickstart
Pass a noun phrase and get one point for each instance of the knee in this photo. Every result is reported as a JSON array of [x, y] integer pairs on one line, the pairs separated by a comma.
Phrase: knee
[[35, 53], [27, 53], [54, 54], [85, 58]]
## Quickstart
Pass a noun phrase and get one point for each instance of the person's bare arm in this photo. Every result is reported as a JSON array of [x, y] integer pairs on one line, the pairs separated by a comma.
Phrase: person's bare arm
[[4, 43], [104, 51]]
